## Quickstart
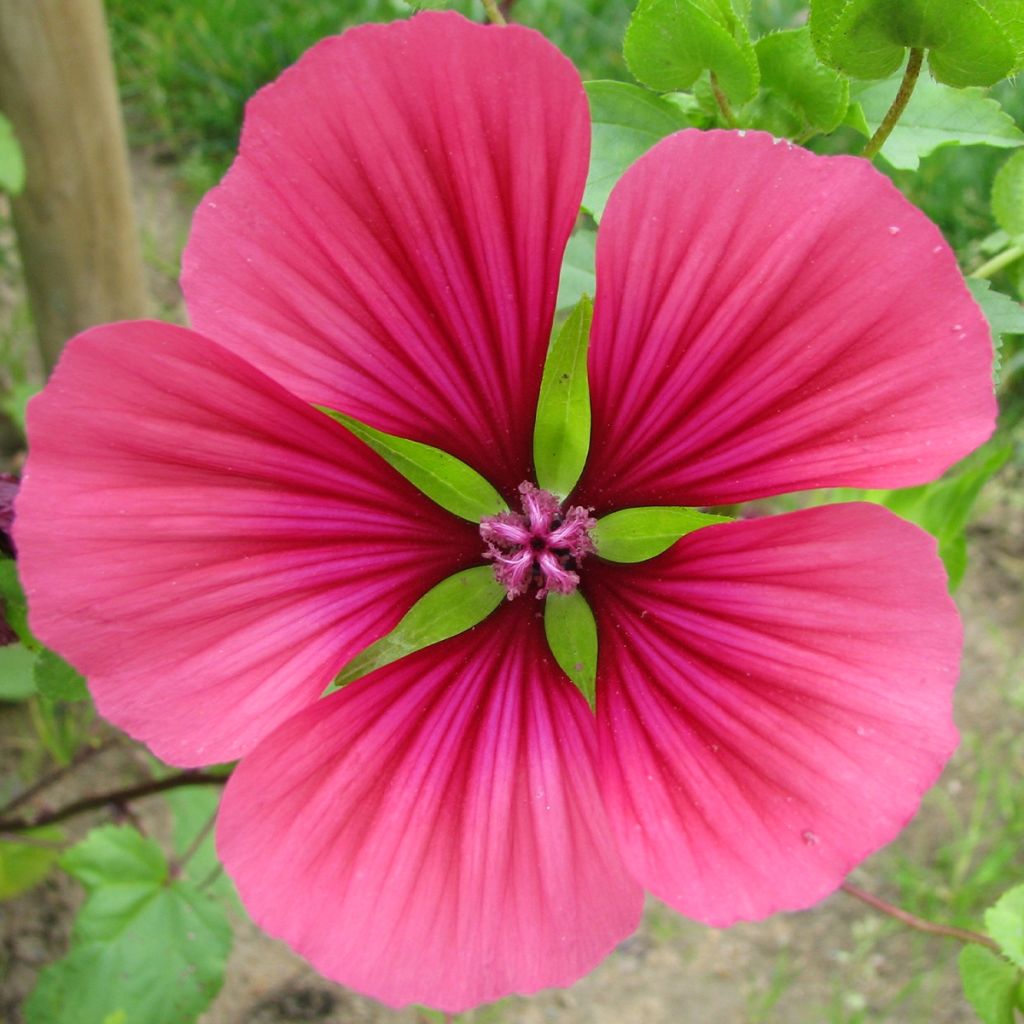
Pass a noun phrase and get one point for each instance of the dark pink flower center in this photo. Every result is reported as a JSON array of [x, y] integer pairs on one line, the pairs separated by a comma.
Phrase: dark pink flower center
[[541, 545]]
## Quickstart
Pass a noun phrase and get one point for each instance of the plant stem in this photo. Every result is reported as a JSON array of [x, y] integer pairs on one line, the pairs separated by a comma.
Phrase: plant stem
[[494, 12], [56, 775], [1000, 260], [178, 863], [899, 104], [913, 921], [114, 796], [723, 101]]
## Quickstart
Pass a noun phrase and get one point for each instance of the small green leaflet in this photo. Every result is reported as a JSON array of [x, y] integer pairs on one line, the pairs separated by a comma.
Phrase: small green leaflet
[[26, 859], [627, 121], [144, 945], [17, 663], [15, 606], [572, 636], [669, 43], [935, 116], [991, 985], [445, 479], [792, 76], [1008, 196], [561, 437], [969, 42], [453, 606], [636, 534], [12, 163], [56, 680], [1005, 923]]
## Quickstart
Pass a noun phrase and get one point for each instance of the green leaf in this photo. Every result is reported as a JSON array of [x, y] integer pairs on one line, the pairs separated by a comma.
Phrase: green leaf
[[1005, 923], [15, 606], [144, 945], [791, 72], [636, 534], [969, 42], [1004, 314], [1008, 195], [943, 508], [192, 807], [25, 862], [990, 984], [561, 436], [669, 43], [936, 116], [577, 277], [456, 604], [12, 163], [572, 636], [56, 680], [627, 121], [16, 667], [445, 479]]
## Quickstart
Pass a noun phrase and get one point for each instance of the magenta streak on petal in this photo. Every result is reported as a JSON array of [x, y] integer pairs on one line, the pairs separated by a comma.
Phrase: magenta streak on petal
[[541, 544]]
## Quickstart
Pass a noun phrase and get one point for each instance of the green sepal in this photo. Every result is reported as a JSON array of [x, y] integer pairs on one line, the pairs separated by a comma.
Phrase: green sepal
[[792, 75], [577, 278], [572, 636], [456, 604], [627, 120], [670, 43], [636, 534], [441, 477], [561, 436], [969, 42]]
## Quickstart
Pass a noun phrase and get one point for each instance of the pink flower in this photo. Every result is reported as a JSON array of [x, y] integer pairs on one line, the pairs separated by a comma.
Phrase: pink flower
[[774, 695]]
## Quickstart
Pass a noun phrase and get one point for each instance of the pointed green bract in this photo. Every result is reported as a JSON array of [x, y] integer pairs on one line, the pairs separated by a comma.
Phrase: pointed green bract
[[572, 636], [936, 116], [792, 75], [669, 43], [561, 437], [969, 42], [456, 604], [636, 534], [441, 477], [627, 120]]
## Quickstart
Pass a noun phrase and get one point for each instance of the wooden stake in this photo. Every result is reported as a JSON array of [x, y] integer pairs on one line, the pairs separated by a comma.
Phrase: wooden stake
[[75, 220]]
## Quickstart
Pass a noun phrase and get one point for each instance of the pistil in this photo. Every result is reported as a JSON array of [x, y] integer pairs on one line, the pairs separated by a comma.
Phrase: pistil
[[541, 546]]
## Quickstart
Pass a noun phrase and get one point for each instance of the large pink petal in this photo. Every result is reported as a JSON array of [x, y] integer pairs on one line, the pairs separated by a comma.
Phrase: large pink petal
[[388, 241], [204, 547], [775, 696], [434, 833], [768, 320]]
